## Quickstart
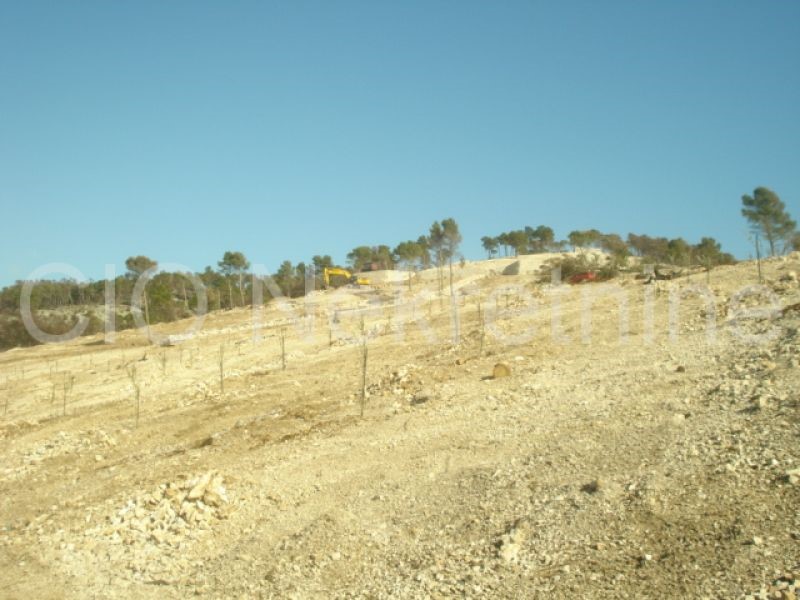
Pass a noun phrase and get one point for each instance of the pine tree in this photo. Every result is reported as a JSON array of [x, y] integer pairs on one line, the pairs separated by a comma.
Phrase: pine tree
[[767, 216]]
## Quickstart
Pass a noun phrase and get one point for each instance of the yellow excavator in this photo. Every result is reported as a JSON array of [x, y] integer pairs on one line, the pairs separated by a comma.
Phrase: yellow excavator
[[336, 271]]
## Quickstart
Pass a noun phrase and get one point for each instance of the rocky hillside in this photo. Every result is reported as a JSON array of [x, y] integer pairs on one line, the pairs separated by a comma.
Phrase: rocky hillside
[[662, 463]]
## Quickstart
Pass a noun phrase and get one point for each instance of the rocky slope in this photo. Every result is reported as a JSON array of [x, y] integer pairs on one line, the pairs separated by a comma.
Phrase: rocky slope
[[666, 464]]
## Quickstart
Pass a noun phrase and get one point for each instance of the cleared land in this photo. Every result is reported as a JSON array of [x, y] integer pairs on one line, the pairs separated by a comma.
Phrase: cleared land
[[663, 465]]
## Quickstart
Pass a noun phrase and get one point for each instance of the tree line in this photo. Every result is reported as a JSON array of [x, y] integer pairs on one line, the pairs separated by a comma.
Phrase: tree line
[[438, 247], [58, 305], [171, 295], [675, 251], [764, 211]]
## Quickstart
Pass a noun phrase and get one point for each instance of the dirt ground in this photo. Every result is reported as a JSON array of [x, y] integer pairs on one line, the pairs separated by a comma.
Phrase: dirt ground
[[660, 463]]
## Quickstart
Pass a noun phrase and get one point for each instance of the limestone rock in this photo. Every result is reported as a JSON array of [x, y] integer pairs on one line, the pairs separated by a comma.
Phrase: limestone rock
[[501, 370]]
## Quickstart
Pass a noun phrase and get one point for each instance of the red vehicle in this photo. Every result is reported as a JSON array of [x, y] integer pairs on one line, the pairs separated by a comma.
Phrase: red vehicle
[[581, 277]]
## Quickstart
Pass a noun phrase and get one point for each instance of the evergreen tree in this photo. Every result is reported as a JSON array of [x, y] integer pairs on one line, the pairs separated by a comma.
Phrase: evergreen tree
[[234, 263], [767, 216]]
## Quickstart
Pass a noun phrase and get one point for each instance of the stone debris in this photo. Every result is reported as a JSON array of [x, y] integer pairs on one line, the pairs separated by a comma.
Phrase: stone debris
[[62, 444], [792, 476], [405, 381], [421, 397], [510, 544], [592, 487], [605, 470], [785, 586], [501, 370], [151, 528]]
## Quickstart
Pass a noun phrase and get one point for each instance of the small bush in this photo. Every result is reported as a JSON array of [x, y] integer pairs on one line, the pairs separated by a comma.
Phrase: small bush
[[14, 334], [572, 265]]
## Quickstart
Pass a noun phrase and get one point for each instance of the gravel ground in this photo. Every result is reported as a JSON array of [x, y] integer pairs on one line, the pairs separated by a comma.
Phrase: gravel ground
[[665, 465]]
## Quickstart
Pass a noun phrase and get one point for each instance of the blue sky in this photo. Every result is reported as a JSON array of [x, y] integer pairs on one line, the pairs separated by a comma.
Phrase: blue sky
[[183, 129]]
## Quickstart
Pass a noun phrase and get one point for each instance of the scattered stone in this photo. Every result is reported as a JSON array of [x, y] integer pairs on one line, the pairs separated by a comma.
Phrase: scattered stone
[[199, 487], [792, 476], [511, 542], [791, 308], [678, 419], [421, 397], [155, 523], [501, 370], [755, 541], [592, 487], [210, 440], [509, 551]]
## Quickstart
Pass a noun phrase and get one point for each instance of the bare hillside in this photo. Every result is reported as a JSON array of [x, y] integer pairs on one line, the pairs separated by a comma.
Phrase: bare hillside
[[610, 457]]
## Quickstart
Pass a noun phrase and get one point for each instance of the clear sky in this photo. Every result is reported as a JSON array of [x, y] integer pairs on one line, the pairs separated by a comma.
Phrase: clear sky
[[183, 129]]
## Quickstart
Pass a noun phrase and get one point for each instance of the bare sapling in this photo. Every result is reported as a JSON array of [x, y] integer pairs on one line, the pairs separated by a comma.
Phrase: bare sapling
[[283, 348], [454, 318], [136, 391], [758, 260], [363, 375], [221, 369], [483, 338], [69, 381]]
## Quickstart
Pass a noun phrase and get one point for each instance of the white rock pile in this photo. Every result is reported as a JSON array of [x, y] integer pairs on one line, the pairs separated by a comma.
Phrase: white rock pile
[[144, 534], [171, 511]]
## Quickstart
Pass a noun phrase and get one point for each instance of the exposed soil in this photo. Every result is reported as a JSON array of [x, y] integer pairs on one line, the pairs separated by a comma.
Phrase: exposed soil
[[662, 465]]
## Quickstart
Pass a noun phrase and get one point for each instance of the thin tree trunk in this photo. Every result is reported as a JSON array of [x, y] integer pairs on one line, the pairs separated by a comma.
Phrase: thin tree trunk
[[758, 259], [283, 348], [451, 275], [364, 377], [221, 369]]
